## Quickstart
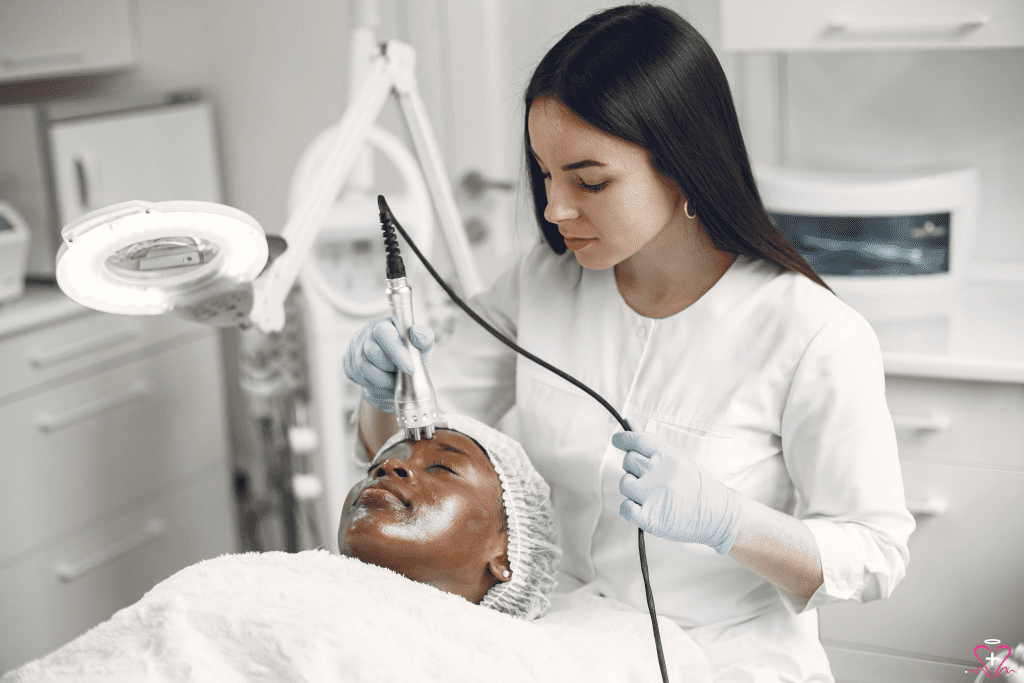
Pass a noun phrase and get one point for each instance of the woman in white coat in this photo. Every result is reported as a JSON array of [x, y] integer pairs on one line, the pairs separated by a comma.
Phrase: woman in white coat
[[764, 463]]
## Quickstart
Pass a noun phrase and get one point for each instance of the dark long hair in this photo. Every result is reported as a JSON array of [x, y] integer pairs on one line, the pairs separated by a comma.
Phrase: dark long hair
[[642, 73]]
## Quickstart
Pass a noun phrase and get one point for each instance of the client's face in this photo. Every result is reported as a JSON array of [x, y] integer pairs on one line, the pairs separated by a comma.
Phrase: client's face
[[432, 511]]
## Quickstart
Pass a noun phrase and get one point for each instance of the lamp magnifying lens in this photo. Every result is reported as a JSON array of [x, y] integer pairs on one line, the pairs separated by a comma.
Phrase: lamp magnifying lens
[[195, 260]]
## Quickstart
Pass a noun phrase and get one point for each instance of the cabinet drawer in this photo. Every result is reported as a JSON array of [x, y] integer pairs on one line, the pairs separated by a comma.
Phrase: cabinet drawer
[[110, 567], [958, 421], [842, 25], [56, 350], [89, 447], [963, 583]]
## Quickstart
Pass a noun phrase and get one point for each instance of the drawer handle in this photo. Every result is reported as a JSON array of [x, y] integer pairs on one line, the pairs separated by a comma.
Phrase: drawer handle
[[936, 422], [60, 354], [932, 506], [854, 24], [70, 571], [51, 423]]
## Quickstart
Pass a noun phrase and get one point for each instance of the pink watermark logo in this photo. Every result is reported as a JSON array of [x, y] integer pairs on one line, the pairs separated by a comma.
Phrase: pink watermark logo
[[992, 656]]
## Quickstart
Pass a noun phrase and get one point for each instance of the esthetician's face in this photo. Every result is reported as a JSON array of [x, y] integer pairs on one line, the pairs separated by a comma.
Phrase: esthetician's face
[[432, 511], [599, 187]]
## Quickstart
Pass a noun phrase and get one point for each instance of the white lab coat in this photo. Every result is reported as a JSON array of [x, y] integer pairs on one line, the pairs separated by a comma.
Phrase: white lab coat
[[769, 381]]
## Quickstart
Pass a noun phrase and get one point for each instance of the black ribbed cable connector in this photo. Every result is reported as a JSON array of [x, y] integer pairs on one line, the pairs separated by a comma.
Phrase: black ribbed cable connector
[[395, 265]]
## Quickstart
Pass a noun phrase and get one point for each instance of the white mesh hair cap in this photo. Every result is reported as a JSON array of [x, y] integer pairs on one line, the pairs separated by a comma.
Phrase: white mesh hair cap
[[533, 552]]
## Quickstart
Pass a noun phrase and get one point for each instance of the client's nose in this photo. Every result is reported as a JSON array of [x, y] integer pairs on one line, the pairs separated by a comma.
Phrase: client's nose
[[391, 466]]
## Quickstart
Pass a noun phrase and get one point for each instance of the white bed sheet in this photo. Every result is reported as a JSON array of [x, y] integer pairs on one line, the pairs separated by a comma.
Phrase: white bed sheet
[[316, 616]]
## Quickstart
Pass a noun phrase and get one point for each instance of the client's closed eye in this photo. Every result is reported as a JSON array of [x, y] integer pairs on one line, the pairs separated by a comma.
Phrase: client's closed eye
[[444, 466]]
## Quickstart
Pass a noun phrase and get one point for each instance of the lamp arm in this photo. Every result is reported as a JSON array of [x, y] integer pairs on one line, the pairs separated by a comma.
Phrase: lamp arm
[[393, 70], [272, 287]]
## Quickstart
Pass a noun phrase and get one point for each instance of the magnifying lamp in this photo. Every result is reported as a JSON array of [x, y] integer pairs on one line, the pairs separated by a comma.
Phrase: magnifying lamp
[[194, 259], [214, 264]]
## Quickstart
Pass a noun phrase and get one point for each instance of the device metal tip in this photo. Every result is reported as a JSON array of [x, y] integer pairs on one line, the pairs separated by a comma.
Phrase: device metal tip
[[382, 204]]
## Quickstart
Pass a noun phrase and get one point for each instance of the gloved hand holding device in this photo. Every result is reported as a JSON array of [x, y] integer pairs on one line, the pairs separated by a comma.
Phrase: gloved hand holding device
[[669, 495], [375, 355]]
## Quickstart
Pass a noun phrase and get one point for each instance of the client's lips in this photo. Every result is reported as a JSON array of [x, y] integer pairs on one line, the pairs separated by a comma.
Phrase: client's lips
[[385, 485]]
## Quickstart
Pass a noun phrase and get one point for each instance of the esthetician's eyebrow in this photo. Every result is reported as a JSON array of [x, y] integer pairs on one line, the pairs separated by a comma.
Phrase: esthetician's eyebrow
[[586, 163]]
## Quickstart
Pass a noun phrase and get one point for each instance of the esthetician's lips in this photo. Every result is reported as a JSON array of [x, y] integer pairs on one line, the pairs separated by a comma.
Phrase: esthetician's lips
[[578, 243]]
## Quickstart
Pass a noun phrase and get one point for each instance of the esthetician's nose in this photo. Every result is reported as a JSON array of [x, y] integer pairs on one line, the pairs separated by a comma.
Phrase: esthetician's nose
[[560, 206]]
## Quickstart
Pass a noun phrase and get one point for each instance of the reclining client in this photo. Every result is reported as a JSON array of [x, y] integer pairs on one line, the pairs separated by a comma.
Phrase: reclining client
[[464, 512]]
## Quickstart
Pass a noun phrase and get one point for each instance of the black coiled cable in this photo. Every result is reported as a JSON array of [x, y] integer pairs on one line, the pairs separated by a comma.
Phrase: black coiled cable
[[388, 221]]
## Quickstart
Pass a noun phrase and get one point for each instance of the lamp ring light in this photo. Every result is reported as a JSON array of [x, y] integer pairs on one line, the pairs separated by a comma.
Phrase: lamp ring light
[[192, 258]]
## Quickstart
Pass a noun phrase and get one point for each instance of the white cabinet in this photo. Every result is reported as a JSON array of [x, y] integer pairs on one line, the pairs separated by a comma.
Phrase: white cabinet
[[60, 160], [962, 454], [841, 25], [50, 38], [158, 153], [114, 469]]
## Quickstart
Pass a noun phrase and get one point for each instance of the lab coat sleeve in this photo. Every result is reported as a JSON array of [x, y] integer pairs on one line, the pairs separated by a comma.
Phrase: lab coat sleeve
[[473, 373], [839, 447]]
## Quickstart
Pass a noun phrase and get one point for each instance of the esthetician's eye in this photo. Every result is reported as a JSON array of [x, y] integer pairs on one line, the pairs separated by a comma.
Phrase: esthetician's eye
[[593, 188]]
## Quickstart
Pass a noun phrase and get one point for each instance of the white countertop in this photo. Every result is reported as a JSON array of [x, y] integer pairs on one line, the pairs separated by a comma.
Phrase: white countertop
[[980, 335]]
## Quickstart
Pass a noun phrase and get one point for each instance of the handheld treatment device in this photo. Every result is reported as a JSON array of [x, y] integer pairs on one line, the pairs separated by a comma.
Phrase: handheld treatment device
[[417, 402], [415, 405]]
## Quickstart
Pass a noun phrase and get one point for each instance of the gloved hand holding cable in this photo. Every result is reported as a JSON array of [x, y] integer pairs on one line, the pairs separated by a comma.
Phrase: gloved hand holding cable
[[670, 496], [375, 355]]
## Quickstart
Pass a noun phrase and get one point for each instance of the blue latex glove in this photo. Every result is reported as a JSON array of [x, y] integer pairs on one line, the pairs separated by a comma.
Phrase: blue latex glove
[[375, 354], [670, 496]]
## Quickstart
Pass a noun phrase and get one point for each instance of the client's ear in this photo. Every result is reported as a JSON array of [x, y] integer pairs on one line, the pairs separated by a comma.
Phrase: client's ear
[[500, 568]]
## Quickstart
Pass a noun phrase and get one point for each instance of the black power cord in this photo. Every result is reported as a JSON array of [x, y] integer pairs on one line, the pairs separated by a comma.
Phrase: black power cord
[[388, 220]]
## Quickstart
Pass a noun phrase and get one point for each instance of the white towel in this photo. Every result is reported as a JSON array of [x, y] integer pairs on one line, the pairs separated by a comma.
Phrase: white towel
[[316, 616]]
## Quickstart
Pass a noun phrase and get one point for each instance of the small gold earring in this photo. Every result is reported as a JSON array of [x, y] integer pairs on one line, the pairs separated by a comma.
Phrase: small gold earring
[[686, 210]]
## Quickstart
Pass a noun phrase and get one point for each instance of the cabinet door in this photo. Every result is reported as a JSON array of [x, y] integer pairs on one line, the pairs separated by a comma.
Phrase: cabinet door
[[963, 584], [961, 447], [68, 588], [88, 448], [841, 25], [49, 38], [155, 155]]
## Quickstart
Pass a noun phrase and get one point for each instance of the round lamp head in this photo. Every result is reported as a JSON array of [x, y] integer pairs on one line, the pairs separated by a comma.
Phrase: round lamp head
[[147, 258]]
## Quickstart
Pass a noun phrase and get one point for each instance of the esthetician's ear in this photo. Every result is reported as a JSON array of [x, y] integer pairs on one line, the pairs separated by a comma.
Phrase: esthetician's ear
[[500, 568]]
